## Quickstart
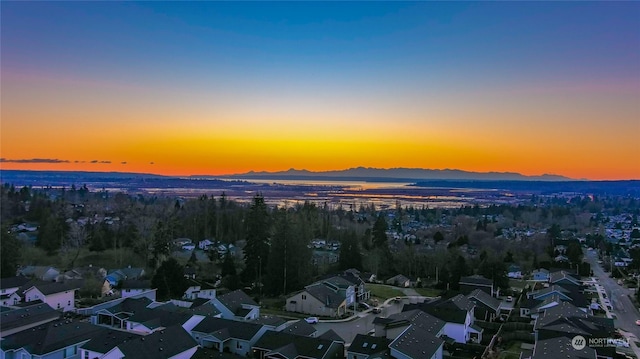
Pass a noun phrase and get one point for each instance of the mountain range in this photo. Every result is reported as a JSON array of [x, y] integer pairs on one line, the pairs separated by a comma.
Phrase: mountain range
[[394, 174]]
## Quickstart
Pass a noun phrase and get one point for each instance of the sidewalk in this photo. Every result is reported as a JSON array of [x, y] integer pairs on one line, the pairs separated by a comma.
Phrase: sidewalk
[[632, 342]]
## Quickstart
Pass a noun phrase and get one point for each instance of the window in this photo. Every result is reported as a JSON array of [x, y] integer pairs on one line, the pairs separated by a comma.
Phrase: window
[[58, 305], [304, 296], [69, 303], [238, 345]]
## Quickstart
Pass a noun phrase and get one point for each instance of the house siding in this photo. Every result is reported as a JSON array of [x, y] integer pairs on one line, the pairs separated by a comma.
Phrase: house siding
[[309, 305], [64, 301]]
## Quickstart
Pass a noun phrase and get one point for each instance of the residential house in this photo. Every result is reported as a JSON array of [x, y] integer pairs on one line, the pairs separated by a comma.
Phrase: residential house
[[487, 307], [566, 320], [471, 283], [530, 307], [60, 296], [302, 328], [236, 305], [318, 299], [172, 342], [561, 348], [541, 275], [55, 339], [133, 287], [189, 272], [17, 320], [8, 286], [117, 315], [413, 334], [361, 292], [199, 289], [366, 346], [227, 335], [564, 277], [565, 292], [272, 322], [148, 320], [514, 271], [459, 315], [399, 281], [277, 345], [43, 273]]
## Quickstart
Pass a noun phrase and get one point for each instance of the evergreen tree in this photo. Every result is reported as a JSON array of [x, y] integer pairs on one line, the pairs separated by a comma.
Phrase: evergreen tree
[[169, 279], [350, 256], [256, 251], [9, 254], [379, 232]]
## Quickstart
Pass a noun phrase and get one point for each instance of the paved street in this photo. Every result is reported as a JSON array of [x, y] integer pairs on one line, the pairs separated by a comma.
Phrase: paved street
[[619, 296]]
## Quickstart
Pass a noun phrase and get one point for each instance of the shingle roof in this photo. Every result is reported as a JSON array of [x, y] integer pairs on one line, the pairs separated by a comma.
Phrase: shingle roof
[[230, 328], [109, 340], [23, 317], [325, 295], [160, 344], [560, 348], [476, 280], [13, 282], [130, 305], [270, 320], [567, 318], [154, 318], [292, 345], [234, 300], [331, 335], [485, 299], [425, 321], [415, 342], [48, 288], [447, 310], [368, 345], [300, 328], [52, 336]]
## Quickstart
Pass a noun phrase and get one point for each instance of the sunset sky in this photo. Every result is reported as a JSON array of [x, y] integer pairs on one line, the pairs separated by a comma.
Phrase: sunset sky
[[223, 87]]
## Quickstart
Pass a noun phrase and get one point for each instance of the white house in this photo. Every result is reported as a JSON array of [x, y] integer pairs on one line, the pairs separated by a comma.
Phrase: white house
[[60, 296]]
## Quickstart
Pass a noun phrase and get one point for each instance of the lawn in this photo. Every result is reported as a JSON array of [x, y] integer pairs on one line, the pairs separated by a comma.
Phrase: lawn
[[383, 291], [428, 292], [512, 351]]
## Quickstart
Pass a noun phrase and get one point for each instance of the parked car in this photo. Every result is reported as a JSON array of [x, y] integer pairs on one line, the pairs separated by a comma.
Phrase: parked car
[[311, 320], [638, 322], [377, 310], [509, 299]]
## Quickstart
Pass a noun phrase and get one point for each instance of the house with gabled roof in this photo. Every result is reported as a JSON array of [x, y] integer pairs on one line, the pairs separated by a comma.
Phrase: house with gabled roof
[[414, 342], [98, 347], [318, 299], [366, 346], [561, 348], [55, 339], [134, 287], [277, 345], [301, 327], [8, 286], [227, 335], [567, 320], [59, 295], [565, 292], [540, 275], [564, 277], [43, 273], [19, 319], [116, 315], [172, 342], [487, 308], [471, 283], [150, 320], [399, 281], [458, 313], [198, 289], [272, 322], [236, 305]]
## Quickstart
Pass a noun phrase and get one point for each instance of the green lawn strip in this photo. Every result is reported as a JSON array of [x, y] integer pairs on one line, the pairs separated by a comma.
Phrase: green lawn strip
[[383, 292]]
